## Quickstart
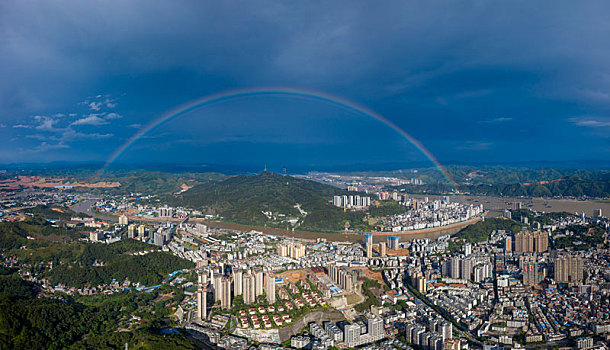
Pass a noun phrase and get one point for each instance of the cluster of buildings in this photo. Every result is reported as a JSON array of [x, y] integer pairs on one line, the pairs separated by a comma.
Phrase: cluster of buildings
[[434, 335], [352, 202], [357, 183], [422, 214], [511, 288], [362, 332], [294, 250], [159, 236], [529, 242], [343, 277], [249, 284]]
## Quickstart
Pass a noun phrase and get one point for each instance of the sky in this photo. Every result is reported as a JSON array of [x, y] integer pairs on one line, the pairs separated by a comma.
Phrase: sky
[[474, 82]]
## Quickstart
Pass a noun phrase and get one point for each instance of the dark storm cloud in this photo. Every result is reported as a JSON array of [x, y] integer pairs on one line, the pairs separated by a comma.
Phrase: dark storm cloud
[[469, 79]]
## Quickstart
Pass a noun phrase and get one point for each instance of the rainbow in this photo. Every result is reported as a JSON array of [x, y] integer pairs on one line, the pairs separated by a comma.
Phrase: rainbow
[[281, 92]]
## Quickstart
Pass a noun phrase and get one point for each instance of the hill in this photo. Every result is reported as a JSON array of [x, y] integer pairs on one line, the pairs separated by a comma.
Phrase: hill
[[14, 234], [493, 175], [74, 261], [481, 231], [566, 187], [155, 182], [53, 212], [30, 321], [244, 198]]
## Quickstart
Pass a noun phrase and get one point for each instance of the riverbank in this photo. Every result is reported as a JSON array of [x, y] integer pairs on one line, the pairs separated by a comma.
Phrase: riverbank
[[430, 233]]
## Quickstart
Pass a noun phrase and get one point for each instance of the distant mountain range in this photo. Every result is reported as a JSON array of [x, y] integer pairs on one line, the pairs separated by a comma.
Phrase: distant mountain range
[[478, 180], [294, 169], [572, 186]]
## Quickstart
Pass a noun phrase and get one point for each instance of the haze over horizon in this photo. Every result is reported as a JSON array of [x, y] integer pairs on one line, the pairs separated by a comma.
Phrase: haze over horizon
[[474, 83]]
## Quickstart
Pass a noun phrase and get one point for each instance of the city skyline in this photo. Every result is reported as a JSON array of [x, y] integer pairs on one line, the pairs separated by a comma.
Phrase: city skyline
[[323, 175]]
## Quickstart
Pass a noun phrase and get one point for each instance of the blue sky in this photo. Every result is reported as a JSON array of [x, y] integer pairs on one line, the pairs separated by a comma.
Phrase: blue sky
[[481, 81]]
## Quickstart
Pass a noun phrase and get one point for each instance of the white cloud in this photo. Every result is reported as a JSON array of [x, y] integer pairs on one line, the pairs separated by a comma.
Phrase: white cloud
[[21, 126], [590, 122], [45, 146], [2, 126], [495, 120], [46, 123], [38, 137], [92, 119], [110, 103], [135, 126], [71, 135], [95, 106], [474, 146], [113, 116]]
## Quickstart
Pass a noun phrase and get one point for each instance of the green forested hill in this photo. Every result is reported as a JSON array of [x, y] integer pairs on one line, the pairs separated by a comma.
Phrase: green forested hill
[[74, 261], [14, 234], [243, 198], [31, 322], [155, 182], [481, 231]]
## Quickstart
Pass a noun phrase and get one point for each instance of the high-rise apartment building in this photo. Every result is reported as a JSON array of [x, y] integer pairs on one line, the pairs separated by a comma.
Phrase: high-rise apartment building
[[382, 249], [445, 329], [393, 242], [270, 287], [159, 239], [281, 249], [225, 293], [166, 212], [258, 281], [524, 242], [351, 335], [342, 277], [541, 241], [467, 249], [375, 328], [569, 269], [217, 286], [249, 290], [418, 281], [530, 242], [369, 245], [466, 267], [351, 201], [455, 267], [131, 231], [201, 297], [294, 250], [529, 270], [238, 285]]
